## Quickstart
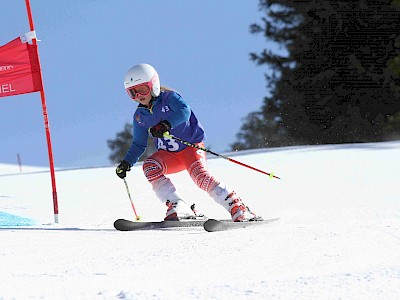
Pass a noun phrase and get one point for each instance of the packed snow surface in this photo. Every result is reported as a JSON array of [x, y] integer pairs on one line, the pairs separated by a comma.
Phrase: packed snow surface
[[338, 236]]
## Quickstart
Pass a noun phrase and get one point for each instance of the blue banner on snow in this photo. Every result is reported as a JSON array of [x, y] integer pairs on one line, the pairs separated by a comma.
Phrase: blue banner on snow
[[8, 220]]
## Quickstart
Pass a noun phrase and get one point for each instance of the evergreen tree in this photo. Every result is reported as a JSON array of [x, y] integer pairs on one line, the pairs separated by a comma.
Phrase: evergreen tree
[[339, 82]]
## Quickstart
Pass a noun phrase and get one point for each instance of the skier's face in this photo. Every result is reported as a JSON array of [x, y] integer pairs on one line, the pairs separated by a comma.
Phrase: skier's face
[[140, 93], [144, 99]]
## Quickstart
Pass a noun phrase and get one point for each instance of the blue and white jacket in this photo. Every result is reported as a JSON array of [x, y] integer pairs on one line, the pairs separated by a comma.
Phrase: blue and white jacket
[[169, 106]]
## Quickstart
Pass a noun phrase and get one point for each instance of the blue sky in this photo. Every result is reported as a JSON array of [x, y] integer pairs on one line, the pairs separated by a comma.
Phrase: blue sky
[[200, 48]]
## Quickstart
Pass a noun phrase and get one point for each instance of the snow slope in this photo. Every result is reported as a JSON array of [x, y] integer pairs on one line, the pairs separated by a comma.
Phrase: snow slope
[[338, 235]]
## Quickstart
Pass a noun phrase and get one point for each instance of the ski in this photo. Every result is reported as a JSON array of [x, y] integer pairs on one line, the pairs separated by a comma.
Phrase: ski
[[126, 225], [212, 225]]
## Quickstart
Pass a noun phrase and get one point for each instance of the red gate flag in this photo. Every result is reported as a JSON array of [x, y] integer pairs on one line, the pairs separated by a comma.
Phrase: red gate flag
[[19, 68], [20, 73]]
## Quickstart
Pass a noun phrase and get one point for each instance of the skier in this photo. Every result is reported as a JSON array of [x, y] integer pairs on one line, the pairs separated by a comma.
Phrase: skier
[[162, 111]]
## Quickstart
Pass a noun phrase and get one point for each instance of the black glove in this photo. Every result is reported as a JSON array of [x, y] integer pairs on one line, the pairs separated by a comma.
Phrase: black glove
[[159, 129], [123, 167]]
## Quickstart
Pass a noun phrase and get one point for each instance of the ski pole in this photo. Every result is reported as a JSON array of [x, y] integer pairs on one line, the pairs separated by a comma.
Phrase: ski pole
[[130, 199], [167, 135]]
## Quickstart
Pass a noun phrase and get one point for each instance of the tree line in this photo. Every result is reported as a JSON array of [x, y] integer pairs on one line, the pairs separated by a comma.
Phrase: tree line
[[339, 79]]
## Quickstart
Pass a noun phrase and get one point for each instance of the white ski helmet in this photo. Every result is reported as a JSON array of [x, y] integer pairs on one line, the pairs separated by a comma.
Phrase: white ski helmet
[[142, 74]]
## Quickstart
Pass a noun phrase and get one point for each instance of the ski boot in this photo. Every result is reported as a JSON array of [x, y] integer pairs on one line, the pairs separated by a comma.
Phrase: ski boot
[[178, 210]]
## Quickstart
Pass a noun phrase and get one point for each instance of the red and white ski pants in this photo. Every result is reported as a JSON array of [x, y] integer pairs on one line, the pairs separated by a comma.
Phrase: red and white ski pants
[[191, 159]]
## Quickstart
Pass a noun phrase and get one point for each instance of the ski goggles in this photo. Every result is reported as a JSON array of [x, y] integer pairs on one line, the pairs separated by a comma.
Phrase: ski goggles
[[142, 89]]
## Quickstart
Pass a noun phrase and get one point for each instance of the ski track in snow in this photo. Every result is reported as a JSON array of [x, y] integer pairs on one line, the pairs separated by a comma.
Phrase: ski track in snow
[[338, 236]]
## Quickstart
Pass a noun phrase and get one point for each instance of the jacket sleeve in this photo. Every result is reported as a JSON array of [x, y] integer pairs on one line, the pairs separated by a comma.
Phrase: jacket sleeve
[[180, 108], [139, 144]]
